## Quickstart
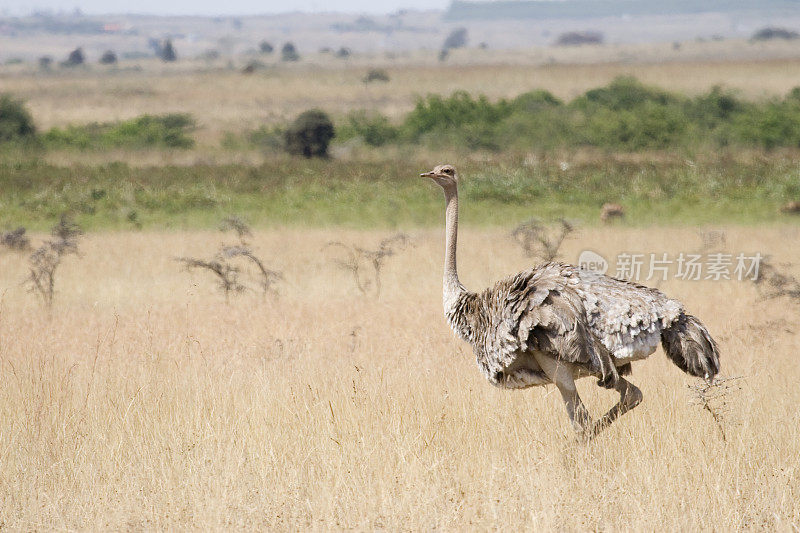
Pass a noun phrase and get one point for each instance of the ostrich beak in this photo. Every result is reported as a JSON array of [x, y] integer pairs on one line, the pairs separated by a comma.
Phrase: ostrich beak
[[427, 174]]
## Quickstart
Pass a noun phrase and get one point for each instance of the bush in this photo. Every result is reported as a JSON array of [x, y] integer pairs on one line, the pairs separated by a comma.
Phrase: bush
[[624, 115], [776, 124], [535, 101], [648, 126], [289, 53], [623, 93], [310, 134], [146, 131], [15, 120], [108, 58], [265, 47], [435, 113], [769, 33], [374, 128], [578, 38], [75, 58], [376, 74]]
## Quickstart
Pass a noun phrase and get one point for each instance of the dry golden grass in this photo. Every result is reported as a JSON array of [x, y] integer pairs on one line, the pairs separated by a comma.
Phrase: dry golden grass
[[143, 401]]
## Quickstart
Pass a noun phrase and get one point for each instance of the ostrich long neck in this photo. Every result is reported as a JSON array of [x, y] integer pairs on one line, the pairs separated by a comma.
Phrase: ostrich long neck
[[452, 288]]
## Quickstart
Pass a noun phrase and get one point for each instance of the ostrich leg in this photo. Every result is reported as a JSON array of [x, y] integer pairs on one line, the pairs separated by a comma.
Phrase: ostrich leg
[[629, 397], [562, 374]]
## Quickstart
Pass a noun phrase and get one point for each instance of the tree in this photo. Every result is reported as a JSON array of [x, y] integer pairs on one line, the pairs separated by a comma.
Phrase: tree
[[167, 52], [456, 39], [310, 134], [265, 47], [289, 52], [76, 57]]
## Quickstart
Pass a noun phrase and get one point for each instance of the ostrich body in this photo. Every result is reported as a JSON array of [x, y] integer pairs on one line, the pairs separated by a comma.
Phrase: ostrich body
[[555, 323]]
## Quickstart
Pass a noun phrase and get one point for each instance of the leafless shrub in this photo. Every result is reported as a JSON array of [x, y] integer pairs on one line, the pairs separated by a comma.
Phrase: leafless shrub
[[15, 239], [45, 260], [713, 396], [773, 281], [227, 275], [366, 265], [267, 278], [537, 240], [237, 268], [237, 225]]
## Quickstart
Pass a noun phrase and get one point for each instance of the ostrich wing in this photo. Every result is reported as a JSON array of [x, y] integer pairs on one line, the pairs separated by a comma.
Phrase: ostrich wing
[[626, 317], [537, 310]]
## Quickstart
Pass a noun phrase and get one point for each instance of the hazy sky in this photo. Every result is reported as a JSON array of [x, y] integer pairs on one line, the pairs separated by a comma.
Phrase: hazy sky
[[215, 7]]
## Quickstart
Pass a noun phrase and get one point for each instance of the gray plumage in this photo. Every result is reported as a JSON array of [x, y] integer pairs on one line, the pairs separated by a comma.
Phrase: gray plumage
[[555, 323]]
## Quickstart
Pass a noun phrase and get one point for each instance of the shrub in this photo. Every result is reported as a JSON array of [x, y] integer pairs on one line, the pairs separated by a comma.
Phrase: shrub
[[534, 101], [267, 138], [15, 120], [45, 260], [648, 126], [623, 93], [624, 115], [170, 131], [374, 128], [435, 113], [310, 134], [75, 58], [769, 33], [108, 58], [289, 53], [265, 47], [376, 74], [577, 38], [716, 106], [777, 124]]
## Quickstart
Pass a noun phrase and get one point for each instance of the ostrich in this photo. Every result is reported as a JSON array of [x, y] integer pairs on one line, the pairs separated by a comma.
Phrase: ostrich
[[555, 323]]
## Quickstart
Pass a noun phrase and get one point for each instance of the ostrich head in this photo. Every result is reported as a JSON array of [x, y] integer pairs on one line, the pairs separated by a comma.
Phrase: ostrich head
[[443, 175]]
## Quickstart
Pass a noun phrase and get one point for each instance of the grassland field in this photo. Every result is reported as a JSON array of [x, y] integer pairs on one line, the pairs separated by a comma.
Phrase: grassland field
[[366, 186], [143, 400], [146, 400]]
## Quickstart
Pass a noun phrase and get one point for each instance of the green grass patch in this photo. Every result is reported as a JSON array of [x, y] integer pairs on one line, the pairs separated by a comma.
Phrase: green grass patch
[[388, 194], [147, 131]]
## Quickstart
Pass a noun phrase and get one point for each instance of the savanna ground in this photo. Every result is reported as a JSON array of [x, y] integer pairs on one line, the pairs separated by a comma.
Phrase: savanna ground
[[144, 400]]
